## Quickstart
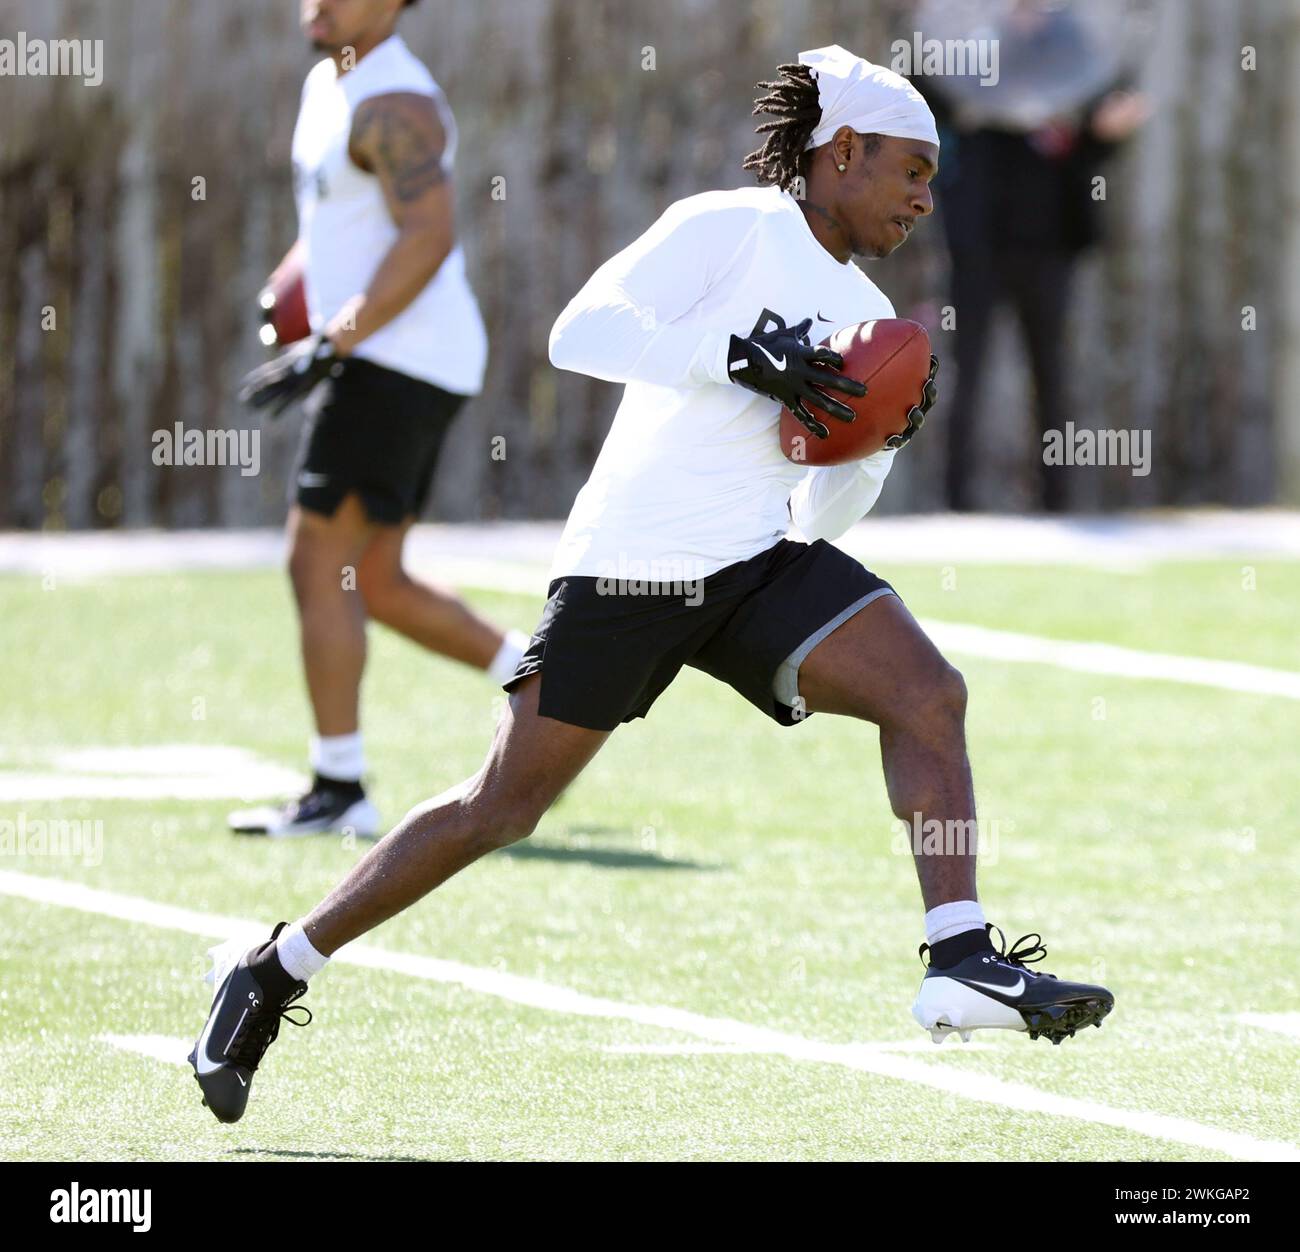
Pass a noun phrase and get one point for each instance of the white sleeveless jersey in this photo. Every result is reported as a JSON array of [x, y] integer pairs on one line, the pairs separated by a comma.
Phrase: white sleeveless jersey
[[345, 229]]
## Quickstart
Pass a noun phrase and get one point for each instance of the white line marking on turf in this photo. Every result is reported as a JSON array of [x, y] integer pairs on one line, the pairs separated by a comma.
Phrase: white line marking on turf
[[534, 993], [1106, 658], [694, 1049], [1280, 1023], [178, 771], [156, 1047]]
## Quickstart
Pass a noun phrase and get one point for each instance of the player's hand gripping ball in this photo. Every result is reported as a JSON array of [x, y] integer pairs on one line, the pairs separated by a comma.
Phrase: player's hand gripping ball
[[892, 358]]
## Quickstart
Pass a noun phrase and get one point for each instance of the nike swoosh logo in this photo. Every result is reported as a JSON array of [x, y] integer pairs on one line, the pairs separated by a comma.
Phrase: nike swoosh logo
[[201, 1060], [820, 318], [1013, 990], [779, 364]]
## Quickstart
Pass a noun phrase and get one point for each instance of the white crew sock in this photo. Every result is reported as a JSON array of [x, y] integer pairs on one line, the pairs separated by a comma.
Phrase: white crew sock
[[337, 756], [502, 668], [299, 958], [952, 919]]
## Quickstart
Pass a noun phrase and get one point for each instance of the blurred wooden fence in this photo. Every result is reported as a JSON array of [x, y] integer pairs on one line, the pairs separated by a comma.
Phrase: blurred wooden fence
[[151, 289]]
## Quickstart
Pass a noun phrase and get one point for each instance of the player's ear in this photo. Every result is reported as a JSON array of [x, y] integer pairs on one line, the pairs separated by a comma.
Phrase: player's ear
[[842, 148]]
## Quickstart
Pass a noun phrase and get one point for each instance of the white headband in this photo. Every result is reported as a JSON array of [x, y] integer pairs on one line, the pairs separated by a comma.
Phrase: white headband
[[870, 98]]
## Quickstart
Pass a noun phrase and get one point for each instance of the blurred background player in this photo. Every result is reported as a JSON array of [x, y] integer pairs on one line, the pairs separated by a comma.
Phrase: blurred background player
[[1019, 208], [398, 347]]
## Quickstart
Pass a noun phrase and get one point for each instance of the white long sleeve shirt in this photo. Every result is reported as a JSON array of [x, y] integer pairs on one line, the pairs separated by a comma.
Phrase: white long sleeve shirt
[[691, 477]]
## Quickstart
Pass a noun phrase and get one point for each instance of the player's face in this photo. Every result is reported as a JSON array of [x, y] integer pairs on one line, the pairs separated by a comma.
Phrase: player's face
[[885, 194], [334, 24]]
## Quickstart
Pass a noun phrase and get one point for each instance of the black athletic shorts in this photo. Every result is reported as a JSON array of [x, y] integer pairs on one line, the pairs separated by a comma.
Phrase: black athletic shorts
[[606, 653], [376, 432]]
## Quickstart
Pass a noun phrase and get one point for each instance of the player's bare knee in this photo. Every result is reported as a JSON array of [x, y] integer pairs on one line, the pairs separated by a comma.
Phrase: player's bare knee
[[509, 821], [955, 693], [934, 704], [379, 591], [944, 703], [501, 815]]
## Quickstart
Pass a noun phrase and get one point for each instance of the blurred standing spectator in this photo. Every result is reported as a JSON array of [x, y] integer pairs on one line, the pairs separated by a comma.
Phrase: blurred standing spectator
[[1015, 192]]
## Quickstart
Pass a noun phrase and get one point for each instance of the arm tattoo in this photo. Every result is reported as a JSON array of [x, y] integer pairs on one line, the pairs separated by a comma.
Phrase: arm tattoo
[[401, 142]]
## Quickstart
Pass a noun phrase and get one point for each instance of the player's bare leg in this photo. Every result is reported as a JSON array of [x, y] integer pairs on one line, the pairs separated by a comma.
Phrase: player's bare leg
[[346, 569], [323, 555], [427, 614], [532, 759], [880, 666], [331, 614]]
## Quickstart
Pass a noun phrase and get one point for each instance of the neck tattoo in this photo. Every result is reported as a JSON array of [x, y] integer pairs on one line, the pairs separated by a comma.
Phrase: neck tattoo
[[828, 217]]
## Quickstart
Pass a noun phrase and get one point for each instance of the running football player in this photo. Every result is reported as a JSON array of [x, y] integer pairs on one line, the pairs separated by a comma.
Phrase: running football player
[[691, 488], [398, 347]]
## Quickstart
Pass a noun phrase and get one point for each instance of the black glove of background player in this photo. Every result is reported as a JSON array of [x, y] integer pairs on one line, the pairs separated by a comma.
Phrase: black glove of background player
[[916, 415], [292, 374], [782, 363]]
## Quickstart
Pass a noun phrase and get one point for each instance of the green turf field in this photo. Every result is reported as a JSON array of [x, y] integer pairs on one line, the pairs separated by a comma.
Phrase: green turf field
[[708, 861]]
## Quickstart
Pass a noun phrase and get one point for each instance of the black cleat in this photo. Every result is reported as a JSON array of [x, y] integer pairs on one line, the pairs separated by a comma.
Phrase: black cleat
[[996, 990], [243, 1023], [323, 808]]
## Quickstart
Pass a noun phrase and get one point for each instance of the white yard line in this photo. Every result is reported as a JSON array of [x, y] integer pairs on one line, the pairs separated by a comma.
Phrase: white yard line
[[735, 1049], [156, 1047], [1280, 1023], [21, 785], [1106, 658], [535, 993], [179, 771]]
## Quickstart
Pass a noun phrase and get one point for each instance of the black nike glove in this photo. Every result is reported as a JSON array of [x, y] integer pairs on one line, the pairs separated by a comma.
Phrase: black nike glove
[[781, 363], [289, 376], [916, 415]]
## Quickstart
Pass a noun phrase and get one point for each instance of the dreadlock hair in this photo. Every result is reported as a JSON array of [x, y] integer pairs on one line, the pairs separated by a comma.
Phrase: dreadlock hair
[[794, 101]]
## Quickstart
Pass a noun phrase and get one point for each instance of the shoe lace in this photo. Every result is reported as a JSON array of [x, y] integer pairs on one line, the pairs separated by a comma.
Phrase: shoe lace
[[261, 1028], [1035, 951], [1032, 951]]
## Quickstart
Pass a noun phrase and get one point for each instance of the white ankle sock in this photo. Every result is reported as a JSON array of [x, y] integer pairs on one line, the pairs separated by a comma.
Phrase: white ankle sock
[[299, 958], [337, 756], [502, 668], [952, 919]]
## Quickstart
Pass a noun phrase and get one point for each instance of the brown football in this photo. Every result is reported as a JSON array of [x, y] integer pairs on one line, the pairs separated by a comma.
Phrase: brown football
[[284, 306], [892, 357]]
